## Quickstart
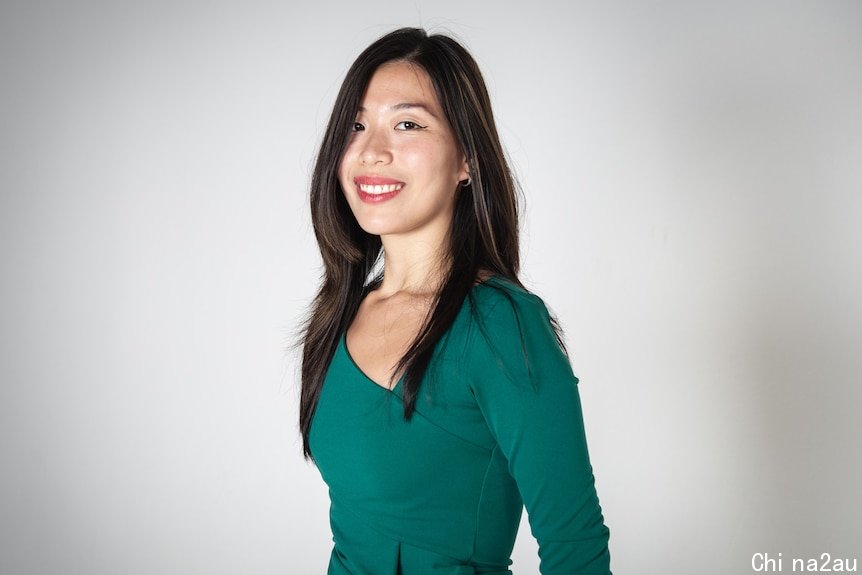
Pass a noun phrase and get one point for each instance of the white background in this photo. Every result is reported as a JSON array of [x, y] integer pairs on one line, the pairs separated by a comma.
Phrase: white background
[[692, 174]]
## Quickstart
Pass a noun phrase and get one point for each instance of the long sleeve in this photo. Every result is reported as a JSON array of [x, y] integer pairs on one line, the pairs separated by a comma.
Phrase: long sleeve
[[528, 395]]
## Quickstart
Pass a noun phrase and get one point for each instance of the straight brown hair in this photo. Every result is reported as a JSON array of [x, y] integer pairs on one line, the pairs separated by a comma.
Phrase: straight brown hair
[[484, 228]]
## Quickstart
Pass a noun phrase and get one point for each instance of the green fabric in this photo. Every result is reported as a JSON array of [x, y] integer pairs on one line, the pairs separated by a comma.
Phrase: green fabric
[[498, 426]]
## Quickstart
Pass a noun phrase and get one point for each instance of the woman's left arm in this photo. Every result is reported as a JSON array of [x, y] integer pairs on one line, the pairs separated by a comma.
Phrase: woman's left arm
[[528, 394]]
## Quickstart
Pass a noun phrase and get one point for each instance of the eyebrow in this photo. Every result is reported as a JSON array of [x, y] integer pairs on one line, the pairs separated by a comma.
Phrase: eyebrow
[[407, 106]]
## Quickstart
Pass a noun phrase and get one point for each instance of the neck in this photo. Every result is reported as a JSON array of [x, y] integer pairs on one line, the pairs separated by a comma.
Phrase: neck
[[412, 265]]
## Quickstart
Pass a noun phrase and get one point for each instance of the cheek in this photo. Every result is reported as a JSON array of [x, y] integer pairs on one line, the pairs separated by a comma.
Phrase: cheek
[[343, 170], [428, 159], [445, 159]]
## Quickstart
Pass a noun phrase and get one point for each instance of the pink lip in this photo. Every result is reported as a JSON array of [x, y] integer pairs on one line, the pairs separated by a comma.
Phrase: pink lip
[[375, 181]]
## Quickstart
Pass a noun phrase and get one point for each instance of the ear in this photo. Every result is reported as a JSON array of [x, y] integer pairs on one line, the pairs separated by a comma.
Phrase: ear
[[464, 171]]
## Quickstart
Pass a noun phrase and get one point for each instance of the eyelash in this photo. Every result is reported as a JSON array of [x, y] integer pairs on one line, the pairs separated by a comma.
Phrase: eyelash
[[358, 127], [416, 126]]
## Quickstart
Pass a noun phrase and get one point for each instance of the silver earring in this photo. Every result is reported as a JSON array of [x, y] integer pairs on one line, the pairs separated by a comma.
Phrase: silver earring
[[466, 183]]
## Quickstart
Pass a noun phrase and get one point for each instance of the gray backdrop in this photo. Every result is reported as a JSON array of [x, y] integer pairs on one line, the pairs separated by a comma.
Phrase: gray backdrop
[[692, 174]]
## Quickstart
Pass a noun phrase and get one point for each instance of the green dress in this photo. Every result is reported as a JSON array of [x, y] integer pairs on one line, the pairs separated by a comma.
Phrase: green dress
[[497, 426]]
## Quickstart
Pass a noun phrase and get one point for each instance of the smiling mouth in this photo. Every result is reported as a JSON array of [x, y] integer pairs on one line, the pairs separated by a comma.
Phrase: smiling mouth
[[380, 189], [376, 189]]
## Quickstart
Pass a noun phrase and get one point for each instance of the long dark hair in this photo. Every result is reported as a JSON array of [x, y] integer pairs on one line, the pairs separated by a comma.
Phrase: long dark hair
[[484, 229]]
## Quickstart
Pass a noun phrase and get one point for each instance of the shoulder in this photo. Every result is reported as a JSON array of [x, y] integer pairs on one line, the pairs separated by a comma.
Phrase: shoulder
[[501, 301], [511, 319], [515, 338]]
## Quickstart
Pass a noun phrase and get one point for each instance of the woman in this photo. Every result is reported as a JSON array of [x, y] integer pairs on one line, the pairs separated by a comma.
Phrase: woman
[[437, 397]]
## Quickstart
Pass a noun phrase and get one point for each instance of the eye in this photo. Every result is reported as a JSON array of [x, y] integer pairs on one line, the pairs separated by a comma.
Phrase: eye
[[407, 125], [357, 127]]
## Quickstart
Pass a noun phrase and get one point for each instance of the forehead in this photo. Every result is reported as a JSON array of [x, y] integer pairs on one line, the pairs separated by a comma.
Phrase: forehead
[[399, 82]]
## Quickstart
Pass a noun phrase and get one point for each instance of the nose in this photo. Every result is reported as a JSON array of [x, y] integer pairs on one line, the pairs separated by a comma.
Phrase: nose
[[376, 148]]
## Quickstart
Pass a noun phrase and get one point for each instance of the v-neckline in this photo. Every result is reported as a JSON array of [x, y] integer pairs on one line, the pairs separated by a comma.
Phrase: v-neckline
[[343, 342], [359, 369]]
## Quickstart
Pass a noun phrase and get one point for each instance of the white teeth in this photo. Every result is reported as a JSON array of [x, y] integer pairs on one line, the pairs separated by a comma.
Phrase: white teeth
[[369, 189]]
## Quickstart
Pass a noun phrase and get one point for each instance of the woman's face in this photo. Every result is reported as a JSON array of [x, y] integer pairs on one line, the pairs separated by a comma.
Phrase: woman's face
[[402, 166]]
